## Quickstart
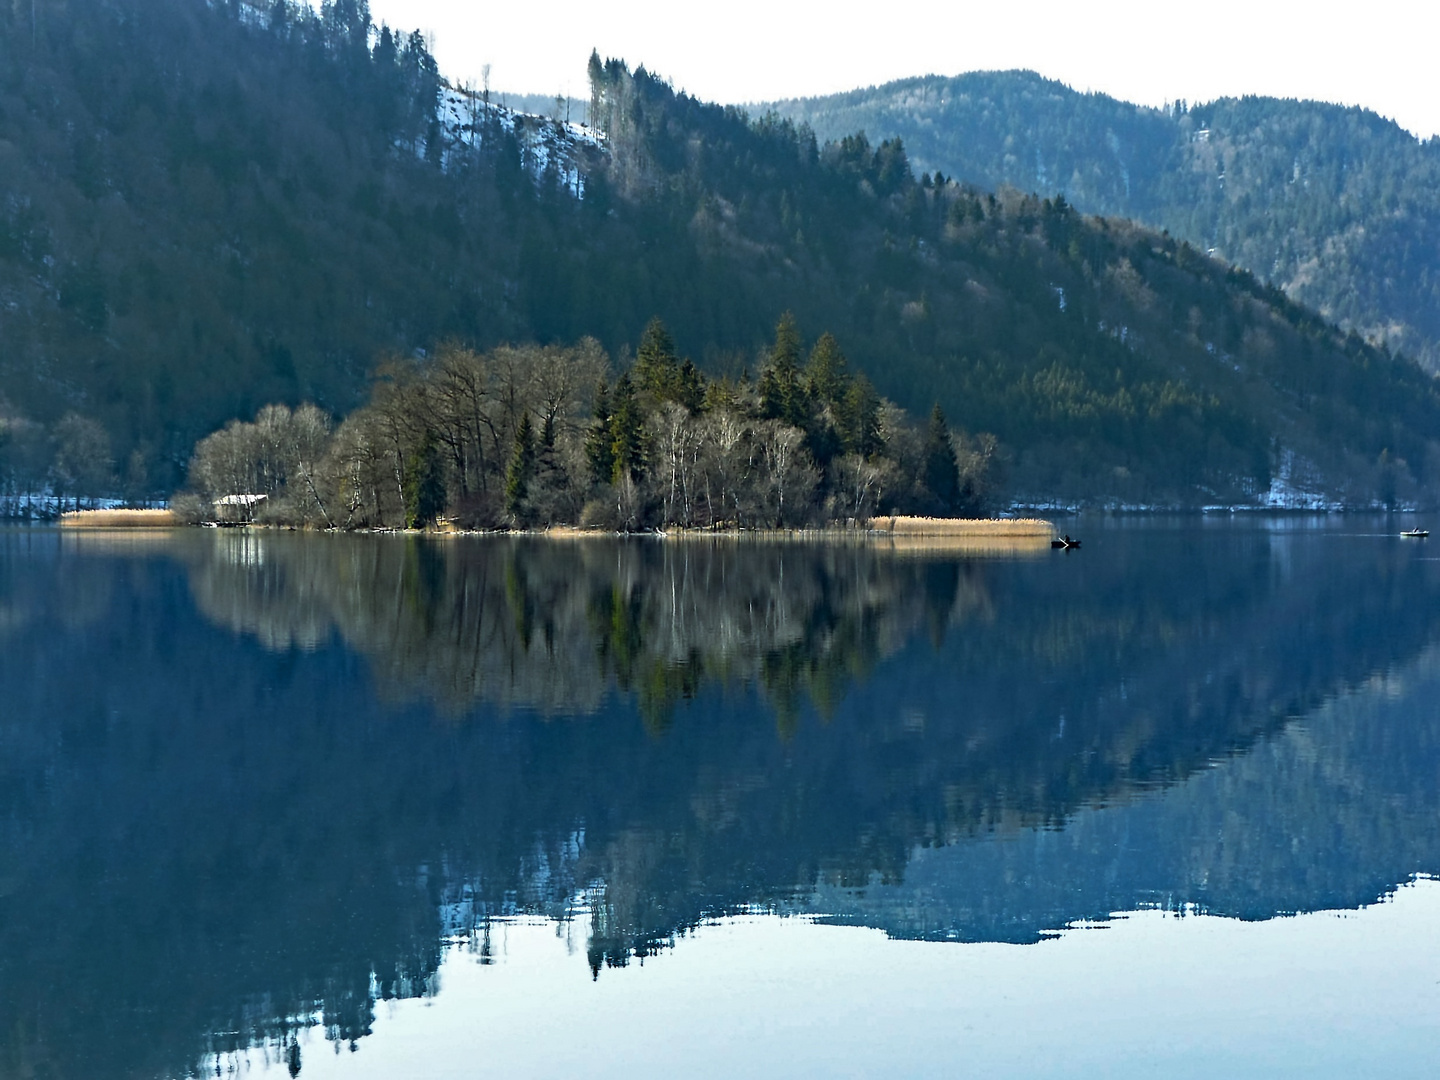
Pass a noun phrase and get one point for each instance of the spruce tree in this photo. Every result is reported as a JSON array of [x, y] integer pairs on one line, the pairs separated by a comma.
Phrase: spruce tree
[[661, 376], [782, 396], [627, 432], [547, 482], [826, 373], [690, 391], [657, 368], [858, 416], [941, 470], [595, 71], [599, 442], [424, 483]]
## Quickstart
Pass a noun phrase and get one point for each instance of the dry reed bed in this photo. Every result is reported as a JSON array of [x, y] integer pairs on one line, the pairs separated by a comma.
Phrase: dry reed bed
[[909, 533], [913, 535], [944, 532], [119, 519], [973, 528]]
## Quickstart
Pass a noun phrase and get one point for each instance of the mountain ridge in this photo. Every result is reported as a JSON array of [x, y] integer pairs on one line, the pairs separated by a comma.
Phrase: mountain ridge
[[1334, 203]]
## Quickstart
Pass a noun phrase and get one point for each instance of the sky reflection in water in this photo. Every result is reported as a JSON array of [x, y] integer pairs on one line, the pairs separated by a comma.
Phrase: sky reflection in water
[[260, 779], [1152, 994]]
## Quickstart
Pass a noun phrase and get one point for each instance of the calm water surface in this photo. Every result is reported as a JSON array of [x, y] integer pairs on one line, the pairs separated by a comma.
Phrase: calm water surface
[[274, 804]]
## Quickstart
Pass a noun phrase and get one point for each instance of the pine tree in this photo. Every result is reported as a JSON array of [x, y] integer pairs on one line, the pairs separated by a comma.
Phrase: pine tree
[[522, 464]]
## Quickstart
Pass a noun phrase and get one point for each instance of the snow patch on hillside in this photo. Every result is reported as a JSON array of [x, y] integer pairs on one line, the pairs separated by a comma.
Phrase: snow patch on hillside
[[554, 151], [1293, 487]]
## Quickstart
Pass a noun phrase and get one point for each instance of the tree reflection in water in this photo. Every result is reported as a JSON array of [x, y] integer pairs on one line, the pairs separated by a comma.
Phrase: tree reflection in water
[[552, 626], [251, 780]]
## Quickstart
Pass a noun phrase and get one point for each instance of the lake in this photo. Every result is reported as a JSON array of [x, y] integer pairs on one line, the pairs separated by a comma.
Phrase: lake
[[275, 804]]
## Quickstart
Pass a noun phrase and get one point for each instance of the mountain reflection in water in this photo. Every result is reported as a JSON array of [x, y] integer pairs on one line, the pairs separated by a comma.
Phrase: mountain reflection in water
[[252, 779]]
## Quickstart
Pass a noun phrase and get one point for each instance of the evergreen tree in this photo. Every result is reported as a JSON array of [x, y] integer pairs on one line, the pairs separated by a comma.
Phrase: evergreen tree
[[782, 395], [386, 52], [941, 470], [522, 464], [858, 417], [690, 391], [546, 494], [595, 70], [424, 483], [826, 374], [599, 442], [657, 368], [627, 433], [721, 394], [661, 375]]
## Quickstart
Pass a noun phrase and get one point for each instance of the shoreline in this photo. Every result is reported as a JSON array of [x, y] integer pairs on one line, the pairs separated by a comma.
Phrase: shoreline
[[910, 527], [897, 527], [879, 528], [18, 510]]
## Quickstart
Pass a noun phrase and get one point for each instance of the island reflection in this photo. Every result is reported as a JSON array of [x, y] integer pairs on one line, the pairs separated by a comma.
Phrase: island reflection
[[552, 626], [236, 833]]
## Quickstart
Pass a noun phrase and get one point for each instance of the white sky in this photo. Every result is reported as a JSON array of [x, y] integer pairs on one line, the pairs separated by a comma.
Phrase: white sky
[[1380, 54]]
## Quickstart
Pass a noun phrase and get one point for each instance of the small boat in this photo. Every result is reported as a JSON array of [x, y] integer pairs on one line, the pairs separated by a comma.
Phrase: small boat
[[1416, 534], [1065, 543]]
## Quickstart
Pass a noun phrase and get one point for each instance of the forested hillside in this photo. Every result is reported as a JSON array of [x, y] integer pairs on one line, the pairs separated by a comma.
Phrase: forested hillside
[[1338, 206], [212, 207]]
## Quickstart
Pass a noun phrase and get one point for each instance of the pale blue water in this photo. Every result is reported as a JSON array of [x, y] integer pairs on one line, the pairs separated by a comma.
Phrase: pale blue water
[[380, 806]]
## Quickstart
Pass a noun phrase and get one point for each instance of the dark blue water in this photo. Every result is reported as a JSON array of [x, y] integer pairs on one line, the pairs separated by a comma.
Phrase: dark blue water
[[719, 807]]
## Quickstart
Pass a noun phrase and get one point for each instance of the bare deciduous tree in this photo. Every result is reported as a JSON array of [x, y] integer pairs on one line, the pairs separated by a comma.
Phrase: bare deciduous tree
[[83, 467]]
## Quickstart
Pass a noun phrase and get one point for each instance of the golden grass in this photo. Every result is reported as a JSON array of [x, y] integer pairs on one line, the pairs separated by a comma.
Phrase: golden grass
[[982, 537], [969, 528], [986, 538], [983, 532], [119, 519]]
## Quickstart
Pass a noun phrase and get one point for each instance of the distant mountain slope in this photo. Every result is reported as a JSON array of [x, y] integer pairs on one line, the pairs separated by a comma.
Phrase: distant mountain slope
[[204, 208], [1337, 206]]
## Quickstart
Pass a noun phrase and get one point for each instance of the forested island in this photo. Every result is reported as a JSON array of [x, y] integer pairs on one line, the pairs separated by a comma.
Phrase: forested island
[[539, 436]]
